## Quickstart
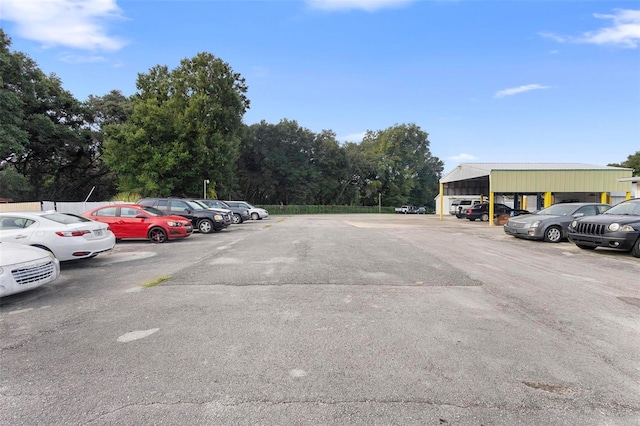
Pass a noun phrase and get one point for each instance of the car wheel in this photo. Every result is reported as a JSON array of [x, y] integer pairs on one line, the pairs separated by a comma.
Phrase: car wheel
[[205, 226], [485, 217], [255, 216], [553, 234], [636, 248], [583, 247], [157, 235], [236, 218], [472, 219]]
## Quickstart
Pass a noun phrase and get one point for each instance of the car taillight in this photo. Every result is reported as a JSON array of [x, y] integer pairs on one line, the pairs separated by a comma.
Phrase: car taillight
[[78, 233]]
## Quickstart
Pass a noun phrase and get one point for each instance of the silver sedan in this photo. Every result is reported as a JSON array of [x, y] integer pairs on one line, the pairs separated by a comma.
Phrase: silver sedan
[[551, 224]]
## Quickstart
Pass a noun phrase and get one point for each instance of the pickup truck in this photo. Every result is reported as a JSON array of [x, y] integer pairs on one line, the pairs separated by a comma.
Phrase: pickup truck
[[404, 209]]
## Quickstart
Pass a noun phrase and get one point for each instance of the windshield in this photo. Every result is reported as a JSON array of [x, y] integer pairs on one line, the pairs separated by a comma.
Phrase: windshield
[[65, 218], [625, 208], [196, 205], [558, 210], [152, 211]]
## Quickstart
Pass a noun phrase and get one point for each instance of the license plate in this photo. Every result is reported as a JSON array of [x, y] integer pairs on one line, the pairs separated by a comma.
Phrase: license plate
[[98, 232]]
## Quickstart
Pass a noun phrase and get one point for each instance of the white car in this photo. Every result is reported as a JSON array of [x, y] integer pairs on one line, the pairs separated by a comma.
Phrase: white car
[[67, 236], [23, 268], [256, 213]]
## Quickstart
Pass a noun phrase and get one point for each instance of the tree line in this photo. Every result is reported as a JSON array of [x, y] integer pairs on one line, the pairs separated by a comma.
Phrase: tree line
[[184, 126]]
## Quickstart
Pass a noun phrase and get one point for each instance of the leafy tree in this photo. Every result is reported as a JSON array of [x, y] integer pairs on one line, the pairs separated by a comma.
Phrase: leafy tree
[[633, 162], [277, 163], [406, 171], [185, 127], [44, 133]]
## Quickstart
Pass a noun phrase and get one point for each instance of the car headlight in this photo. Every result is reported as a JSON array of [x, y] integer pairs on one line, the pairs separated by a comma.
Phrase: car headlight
[[613, 227], [574, 223], [172, 223], [217, 217], [627, 228], [535, 224]]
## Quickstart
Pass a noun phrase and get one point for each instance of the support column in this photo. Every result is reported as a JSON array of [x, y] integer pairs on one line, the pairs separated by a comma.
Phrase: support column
[[491, 200], [604, 198], [524, 202], [628, 196], [548, 199]]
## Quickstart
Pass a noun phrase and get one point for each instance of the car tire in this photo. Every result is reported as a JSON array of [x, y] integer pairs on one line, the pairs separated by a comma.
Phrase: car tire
[[635, 251], [583, 247], [553, 234], [255, 216], [472, 219], [236, 218], [205, 226], [484, 217], [157, 235]]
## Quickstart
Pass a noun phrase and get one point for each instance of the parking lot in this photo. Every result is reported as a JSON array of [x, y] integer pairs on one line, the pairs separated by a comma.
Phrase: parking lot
[[329, 319]]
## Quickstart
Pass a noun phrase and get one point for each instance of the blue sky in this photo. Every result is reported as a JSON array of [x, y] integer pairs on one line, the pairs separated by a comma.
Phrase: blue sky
[[490, 81]]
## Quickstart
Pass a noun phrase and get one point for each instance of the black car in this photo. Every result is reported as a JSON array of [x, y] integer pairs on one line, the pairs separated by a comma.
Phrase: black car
[[204, 220], [239, 214], [481, 211], [617, 228]]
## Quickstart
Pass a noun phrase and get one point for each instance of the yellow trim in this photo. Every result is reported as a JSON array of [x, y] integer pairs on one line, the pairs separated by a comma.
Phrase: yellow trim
[[491, 207], [628, 196]]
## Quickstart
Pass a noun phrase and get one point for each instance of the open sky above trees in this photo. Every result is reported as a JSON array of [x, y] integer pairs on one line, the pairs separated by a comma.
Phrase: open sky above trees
[[539, 81]]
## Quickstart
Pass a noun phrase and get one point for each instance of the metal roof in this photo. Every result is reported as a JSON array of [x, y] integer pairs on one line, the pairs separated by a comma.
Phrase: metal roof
[[473, 170]]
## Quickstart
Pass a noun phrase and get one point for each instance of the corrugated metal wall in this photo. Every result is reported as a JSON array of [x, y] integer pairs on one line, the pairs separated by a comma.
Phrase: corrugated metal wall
[[559, 181]]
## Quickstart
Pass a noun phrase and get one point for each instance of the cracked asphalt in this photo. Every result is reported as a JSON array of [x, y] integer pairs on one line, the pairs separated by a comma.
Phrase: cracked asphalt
[[329, 320]]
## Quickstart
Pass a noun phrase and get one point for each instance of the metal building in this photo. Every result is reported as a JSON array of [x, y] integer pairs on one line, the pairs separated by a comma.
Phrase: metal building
[[535, 185]]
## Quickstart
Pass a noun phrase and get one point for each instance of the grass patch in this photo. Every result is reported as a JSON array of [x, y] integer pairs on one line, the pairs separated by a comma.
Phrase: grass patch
[[157, 281]]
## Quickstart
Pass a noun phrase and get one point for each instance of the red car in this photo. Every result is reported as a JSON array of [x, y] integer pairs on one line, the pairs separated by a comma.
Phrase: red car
[[134, 221]]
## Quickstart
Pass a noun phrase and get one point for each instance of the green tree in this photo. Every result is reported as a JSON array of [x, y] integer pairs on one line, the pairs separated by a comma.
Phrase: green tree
[[185, 127], [277, 163], [633, 162], [44, 132], [406, 171]]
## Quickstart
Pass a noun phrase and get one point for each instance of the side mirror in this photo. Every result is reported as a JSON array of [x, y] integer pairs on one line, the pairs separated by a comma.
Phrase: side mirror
[[578, 215]]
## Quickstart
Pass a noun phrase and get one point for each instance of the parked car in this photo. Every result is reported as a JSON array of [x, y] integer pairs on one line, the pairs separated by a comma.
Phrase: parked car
[[227, 214], [134, 221], [202, 219], [239, 214], [459, 207], [617, 228], [420, 210], [481, 211], [256, 213], [551, 224], [404, 209], [24, 268], [67, 236]]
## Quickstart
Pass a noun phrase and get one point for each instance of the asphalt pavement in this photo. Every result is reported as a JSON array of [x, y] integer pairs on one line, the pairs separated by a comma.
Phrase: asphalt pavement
[[329, 320]]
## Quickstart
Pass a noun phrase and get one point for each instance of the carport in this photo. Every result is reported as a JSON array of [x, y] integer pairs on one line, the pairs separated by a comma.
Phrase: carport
[[547, 183]]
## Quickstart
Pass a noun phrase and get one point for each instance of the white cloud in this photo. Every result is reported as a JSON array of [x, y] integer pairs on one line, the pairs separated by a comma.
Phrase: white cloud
[[520, 89], [624, 31], [78, 24], [367, 5], [463, 157], [353, 137], [78, 59]]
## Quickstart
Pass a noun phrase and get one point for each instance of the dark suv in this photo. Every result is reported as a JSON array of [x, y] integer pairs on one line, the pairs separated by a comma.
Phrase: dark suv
[[239, 214], [204, 220], [617, 228], [481, 211]]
